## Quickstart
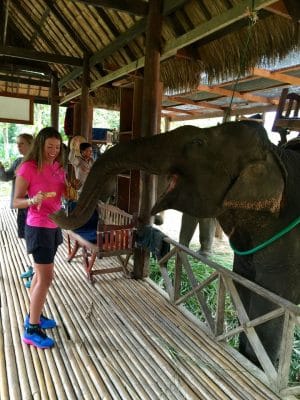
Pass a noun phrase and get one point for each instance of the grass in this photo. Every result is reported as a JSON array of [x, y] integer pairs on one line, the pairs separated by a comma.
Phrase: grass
[[201, 272]]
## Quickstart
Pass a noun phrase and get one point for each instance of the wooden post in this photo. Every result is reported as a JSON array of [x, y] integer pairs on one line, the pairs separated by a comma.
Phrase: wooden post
[[84, 125], [54, 102], [150, 123]]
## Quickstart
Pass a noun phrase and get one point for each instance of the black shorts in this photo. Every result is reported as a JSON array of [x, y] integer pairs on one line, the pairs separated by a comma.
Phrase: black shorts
[[44, 255], [21, 221], [42, 243]]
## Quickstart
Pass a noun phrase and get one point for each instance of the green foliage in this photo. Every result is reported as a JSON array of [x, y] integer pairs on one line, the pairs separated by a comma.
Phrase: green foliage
[[106, 119], [295, 366], [42, 118]]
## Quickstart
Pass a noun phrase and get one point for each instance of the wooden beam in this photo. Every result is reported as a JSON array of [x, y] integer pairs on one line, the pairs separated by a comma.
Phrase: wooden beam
[[54, 99], [228, 93], [180, 111], [66, 25], [121, 41], [24, 67], [279, 8], [36, 27], [84, 101], [237, 12], [39, 26], [37, 56], [5, 22], [138, 7], [184, 100], [25, 81], [233, 112], [217, 23], [150, 123], [277, 76]]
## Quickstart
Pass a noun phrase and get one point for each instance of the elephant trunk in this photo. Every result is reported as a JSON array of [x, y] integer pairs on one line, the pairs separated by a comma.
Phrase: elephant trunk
[[136, 154]]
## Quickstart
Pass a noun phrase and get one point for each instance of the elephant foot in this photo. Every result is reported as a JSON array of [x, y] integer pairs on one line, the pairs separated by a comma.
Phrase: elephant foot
[[205, 253]]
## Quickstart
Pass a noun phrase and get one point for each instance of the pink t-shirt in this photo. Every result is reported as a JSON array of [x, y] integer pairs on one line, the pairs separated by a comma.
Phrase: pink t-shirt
[[50, 179]]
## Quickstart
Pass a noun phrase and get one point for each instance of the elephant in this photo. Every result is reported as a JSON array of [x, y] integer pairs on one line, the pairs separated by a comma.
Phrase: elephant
[[207, 229], [250, 187], [207, 226]]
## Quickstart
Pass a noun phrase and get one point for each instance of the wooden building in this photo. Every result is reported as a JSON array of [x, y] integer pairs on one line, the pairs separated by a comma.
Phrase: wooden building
[[178, 59]]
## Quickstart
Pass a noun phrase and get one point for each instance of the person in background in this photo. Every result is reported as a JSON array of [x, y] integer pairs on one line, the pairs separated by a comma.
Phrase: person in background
[[82, 163], [41, 175], [24, 142]]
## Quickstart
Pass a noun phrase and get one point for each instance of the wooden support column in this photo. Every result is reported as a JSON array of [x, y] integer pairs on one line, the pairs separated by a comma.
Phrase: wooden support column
[[152, 93], [85, 123], [54, 102]]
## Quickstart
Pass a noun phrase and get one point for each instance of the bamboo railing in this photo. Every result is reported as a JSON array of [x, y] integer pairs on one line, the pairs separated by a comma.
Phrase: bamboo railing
[[276, 377]]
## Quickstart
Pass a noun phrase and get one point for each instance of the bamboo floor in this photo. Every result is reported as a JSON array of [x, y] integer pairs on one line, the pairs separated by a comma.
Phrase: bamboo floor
[[116, 339]]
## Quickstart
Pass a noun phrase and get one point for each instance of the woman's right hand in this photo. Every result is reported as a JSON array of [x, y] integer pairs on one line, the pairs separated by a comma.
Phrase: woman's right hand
[[37, 199]]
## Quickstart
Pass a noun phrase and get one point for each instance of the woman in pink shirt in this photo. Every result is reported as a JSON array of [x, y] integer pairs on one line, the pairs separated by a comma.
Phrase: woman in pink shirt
[[42, 177]]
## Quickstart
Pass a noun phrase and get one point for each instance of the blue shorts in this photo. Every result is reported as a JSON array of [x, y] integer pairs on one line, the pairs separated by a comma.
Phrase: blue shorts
[[42, 243]]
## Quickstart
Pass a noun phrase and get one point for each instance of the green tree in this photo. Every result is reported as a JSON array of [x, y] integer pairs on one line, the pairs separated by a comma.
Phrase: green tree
[[106, 119]]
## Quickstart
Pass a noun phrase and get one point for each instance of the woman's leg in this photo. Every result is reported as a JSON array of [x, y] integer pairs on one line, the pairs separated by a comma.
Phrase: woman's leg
[[39, 288]]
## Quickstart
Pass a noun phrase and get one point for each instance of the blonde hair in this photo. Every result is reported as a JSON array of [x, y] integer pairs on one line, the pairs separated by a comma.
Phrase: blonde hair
[[26, 136]]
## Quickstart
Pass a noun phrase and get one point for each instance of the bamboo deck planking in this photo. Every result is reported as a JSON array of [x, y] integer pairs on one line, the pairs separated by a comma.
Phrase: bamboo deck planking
[[117, 339]]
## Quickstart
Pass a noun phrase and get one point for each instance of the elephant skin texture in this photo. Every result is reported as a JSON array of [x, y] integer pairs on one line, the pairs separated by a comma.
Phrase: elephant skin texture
[[231, 172]]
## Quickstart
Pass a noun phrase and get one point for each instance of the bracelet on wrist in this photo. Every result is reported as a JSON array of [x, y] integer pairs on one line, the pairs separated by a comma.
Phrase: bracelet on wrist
[[30, 201]]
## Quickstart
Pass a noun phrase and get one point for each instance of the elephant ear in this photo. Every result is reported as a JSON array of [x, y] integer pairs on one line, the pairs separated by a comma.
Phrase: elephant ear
[[259, 187]]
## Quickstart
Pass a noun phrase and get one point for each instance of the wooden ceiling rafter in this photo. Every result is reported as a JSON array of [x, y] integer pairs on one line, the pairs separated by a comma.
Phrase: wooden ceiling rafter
[[184, 100], [26, 81], [5, 22], [35, 27], [40, 25], [11, 51], [279, 9], [180, 110], [277, 76], [170, 49], [208, 28], [248, 96], [67, 27], [122, 40], [234, 112], [136, 7]]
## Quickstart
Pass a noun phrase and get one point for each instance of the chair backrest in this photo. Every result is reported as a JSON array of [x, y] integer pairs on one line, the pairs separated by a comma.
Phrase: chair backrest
[[112, 215], [115, 231], [287, 114]]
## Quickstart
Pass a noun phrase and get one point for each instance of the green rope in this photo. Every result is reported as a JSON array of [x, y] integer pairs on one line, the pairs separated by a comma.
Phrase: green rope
[[267, 242]]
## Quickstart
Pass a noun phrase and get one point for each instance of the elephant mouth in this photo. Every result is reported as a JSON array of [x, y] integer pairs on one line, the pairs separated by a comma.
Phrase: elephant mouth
[[168, 197]]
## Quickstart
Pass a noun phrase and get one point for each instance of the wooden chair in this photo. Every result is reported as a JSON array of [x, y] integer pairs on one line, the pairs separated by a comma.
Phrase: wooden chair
[[287, 117], [115, 237]]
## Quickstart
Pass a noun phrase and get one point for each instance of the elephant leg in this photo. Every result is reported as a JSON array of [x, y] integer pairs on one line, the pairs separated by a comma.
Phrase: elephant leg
[[188, 227], [242, 266], [207, 230], [270, 333]]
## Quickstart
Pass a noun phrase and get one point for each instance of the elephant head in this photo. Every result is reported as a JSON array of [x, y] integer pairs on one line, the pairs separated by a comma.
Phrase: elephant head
[[210, 171]]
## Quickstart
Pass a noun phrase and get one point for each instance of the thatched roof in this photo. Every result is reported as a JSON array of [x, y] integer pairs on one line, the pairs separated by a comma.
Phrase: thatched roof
[[207, 42]]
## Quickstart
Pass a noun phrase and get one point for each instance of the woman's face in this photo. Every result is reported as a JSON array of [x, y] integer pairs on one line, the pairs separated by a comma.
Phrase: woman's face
[[51, 150], [23, 145]]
